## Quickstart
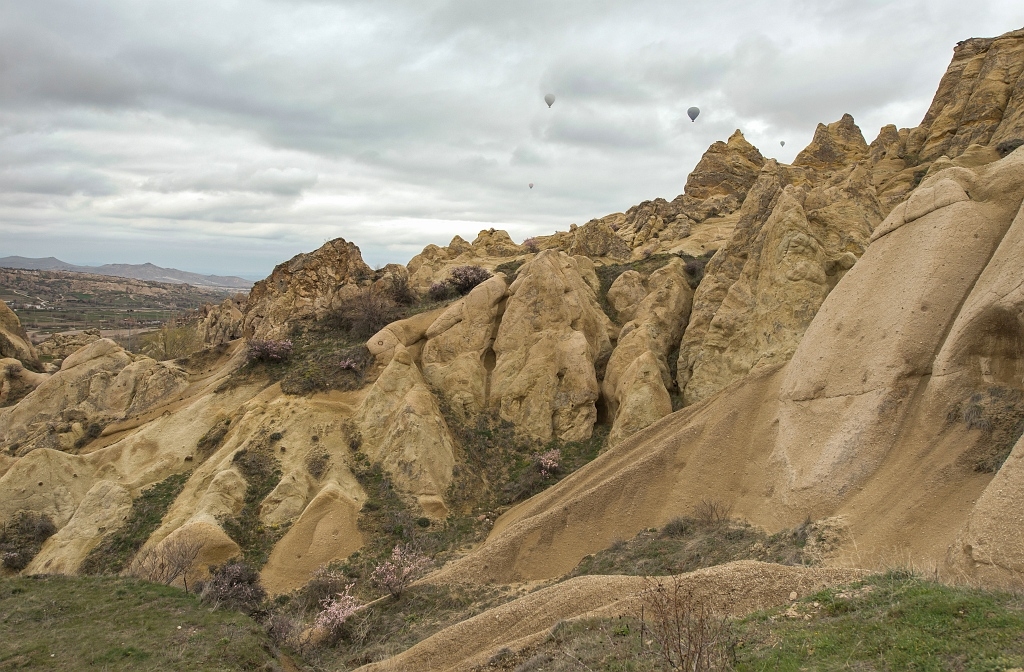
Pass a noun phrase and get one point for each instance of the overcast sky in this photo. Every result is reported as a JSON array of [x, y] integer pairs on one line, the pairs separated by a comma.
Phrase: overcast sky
[[225, 136]]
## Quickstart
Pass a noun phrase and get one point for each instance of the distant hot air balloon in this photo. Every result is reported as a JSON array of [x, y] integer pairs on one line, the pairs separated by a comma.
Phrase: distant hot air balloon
[[692, 113], [782, 143], [531, 185], [549, 99]]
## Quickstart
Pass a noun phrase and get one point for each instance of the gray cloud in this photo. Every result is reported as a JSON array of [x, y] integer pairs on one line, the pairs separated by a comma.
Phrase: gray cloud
[[225, 138]]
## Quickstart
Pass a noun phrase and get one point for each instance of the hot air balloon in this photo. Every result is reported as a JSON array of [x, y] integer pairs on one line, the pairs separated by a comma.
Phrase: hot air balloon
[[549, 99], [692, 113], [531, 185], [782, 143]]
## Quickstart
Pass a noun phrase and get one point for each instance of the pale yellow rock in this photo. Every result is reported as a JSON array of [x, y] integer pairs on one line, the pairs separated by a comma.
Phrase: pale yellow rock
[[626, 293], [220, 324], [458, 356], [102, 511], [402, 428], [327, 530], [637, 378], [60, 346], [14, 342], [551, 334], [97, 384], [793, 245]]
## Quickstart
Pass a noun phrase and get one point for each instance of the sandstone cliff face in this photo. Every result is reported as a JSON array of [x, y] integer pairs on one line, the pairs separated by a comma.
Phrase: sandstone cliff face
[[551, 336], [637, 379], [14, 343], [980, 99], [306, 286], [459, 355], [899, 392]]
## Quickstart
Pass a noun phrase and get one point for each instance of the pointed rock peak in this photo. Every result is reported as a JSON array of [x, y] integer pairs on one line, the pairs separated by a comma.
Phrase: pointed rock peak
[[834, 146], [725, 168]]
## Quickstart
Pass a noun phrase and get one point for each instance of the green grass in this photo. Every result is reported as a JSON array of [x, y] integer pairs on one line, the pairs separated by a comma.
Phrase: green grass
[[107, 623], [117, 549], [892, 621], [262, 473]]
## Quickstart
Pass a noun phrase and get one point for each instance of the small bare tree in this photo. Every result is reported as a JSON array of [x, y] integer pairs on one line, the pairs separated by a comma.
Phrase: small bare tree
[[169, 561], [690, 632]]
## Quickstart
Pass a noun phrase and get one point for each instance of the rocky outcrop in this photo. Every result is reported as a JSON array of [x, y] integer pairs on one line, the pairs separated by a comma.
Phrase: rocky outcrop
[[626, 293], [16, 381], [220, 324], [551, 336], [403, 429], [59, 346], [834, 147], [434, 264], [637, 380], [800, 230], [306, 286], [458, 357], [95, 385], [14, 342], [980, 99]]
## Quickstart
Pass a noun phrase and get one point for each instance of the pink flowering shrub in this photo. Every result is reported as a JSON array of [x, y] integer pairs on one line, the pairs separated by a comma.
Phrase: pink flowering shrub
[[397, 572], [549, 463], [530, 245], [335, 611], [268, 350]]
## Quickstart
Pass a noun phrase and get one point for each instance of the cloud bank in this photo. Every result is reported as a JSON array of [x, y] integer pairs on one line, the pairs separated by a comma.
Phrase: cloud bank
[[226, 136]]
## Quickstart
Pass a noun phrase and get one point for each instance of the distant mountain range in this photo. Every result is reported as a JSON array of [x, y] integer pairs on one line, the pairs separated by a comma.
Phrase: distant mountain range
[[135, 271]]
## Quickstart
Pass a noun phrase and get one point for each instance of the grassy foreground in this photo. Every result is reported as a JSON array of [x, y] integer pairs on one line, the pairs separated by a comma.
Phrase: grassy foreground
[[894, 621], [108, 623]]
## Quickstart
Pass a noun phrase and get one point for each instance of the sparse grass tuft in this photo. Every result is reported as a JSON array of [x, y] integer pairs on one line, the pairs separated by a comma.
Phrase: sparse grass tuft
[[262, 473], [117, 549]]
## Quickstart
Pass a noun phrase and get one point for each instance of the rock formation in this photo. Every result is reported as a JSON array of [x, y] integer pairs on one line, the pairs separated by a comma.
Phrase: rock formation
[[551, 336], [96, 385], [220, 324], [14, 342], [458, 357], [637, 380], [59, 346], [306, 286]]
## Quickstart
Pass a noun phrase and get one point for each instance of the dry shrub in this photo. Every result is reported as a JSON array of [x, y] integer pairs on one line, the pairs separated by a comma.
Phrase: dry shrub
[[366, 313], [167, 562], [317, 462], [712, 512], [690, 632], [236, 585], [21, 538]]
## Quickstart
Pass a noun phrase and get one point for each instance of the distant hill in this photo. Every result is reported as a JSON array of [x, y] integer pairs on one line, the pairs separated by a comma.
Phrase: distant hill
[[134, 271]]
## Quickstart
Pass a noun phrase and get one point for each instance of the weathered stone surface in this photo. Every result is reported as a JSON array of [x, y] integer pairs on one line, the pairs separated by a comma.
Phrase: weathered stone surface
[[16, 381], [626, 293], [403, 429], [458, 356], [792, 246], [14, 342], [726, 169], [490, 248], [833, 147], [306, 286], [103, 510], [637, 379], [97, 384], [551, 335], [980, 99], [220, 324], [60, 346]]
